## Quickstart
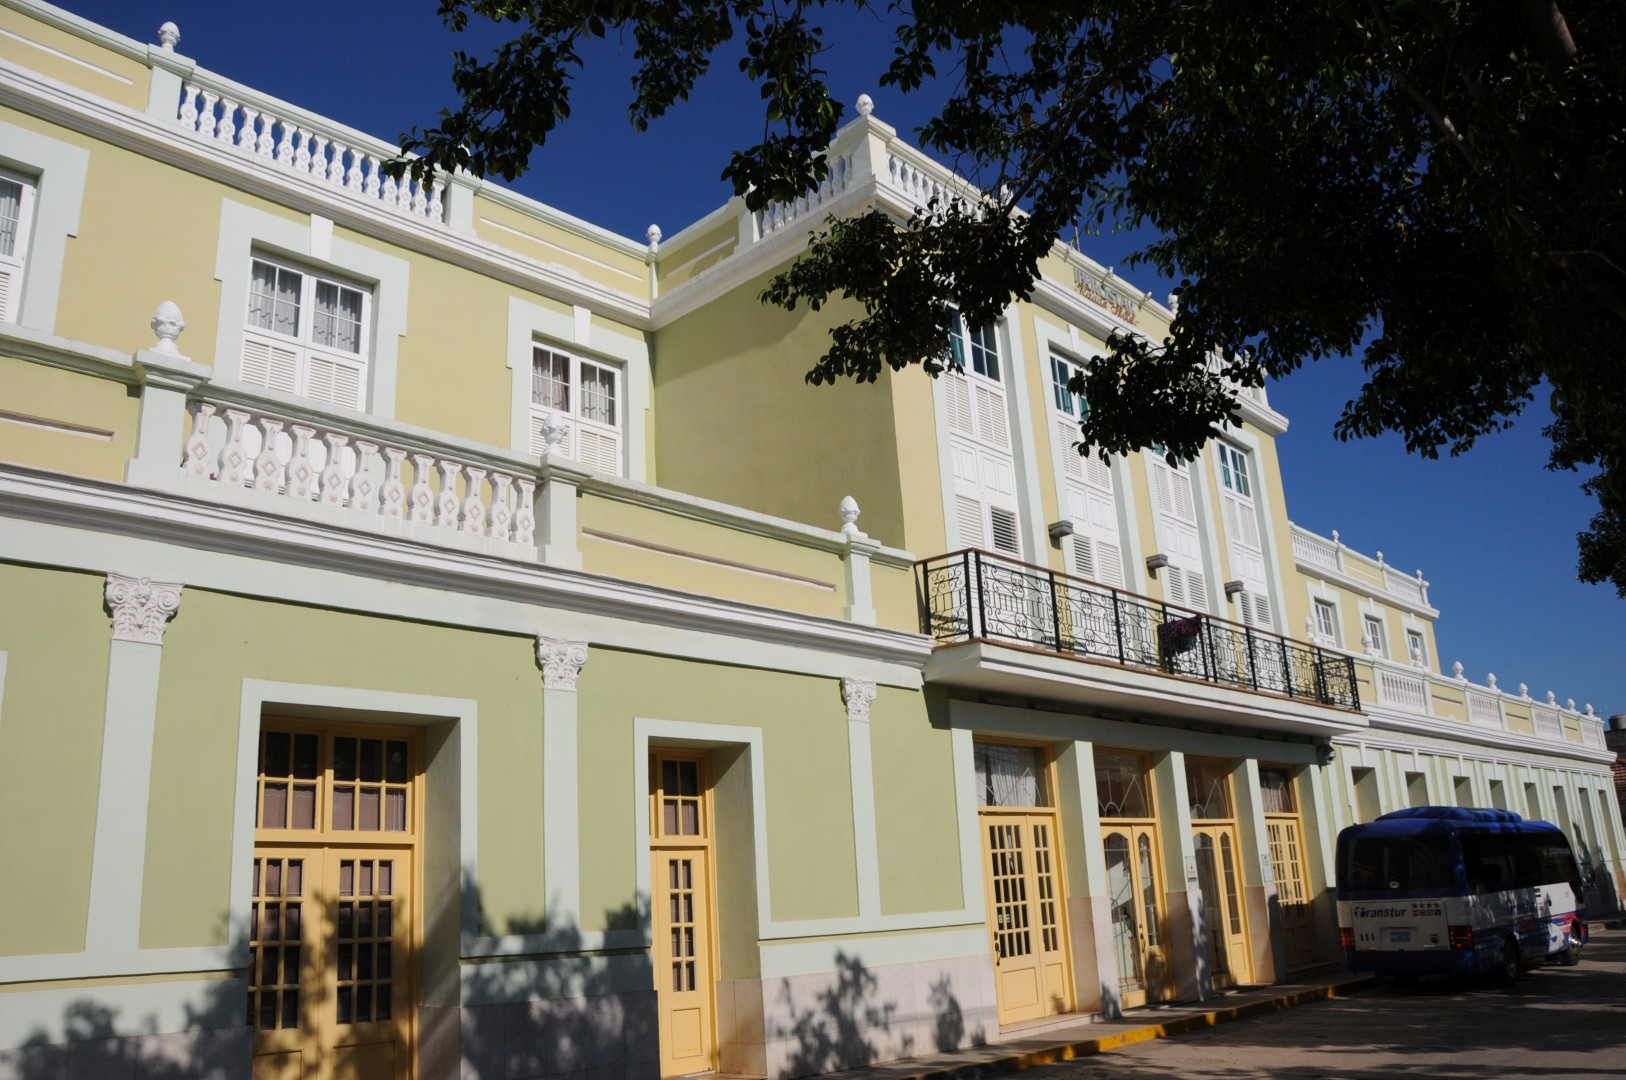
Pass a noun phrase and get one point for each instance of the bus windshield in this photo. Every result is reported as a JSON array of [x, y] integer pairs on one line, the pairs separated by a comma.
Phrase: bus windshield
[[1381, 863]]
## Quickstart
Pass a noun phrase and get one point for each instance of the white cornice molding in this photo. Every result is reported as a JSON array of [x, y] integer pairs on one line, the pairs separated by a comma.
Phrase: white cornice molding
[[105, 507], [95, 33], [58, 103]]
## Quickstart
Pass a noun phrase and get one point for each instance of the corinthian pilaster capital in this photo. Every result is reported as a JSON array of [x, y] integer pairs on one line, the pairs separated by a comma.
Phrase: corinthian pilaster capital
[[141, 607], [561, 661], [858, 695]]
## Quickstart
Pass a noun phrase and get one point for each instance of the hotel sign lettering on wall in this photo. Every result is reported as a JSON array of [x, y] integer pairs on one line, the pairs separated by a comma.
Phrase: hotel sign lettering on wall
[[1104, 295]]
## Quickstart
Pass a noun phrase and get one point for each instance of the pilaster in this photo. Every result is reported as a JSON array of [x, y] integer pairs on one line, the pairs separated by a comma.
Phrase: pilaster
[[556, 531], [561, 661], [858, 695], [141, 610]]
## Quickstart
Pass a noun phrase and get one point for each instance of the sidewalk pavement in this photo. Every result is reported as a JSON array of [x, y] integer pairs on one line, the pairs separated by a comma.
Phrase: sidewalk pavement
[[1102, 1036]]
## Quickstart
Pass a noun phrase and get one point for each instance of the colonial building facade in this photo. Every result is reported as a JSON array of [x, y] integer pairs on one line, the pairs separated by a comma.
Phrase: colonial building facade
[[443, 638]]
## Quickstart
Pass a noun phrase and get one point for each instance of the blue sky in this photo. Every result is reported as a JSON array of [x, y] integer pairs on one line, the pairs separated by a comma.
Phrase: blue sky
[[1493, 531]]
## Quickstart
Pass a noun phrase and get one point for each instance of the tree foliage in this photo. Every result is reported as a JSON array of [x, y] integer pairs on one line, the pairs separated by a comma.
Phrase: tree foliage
[[1434, 186]]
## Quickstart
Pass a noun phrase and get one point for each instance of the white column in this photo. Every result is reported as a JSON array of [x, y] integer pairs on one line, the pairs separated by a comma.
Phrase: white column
[[141, 610], [556, 518], [859, 695], [562, 662]]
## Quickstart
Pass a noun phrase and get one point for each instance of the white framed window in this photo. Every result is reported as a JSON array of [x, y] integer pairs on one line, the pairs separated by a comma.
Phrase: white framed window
[[306, 333], [1184, 580], [980, 442], [1234, 470], [974, 349], [1326, 620], [584, 393], [16, 219], [1373, 625], [1416, 649], [1088, 497]]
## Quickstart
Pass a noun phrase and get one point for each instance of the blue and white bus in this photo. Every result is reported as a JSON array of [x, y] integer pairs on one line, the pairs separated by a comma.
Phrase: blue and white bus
[[1442, 889]]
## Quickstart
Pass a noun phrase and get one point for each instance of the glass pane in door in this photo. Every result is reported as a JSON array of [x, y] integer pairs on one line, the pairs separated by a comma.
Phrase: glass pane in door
[[1121, 895]]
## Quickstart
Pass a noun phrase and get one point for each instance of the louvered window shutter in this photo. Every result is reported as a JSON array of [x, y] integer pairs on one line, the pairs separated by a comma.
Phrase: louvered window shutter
[[1072, 465], [991, 426], [1084, 556], [16, 216], [957, 390], [1261, 612], [1109, 564], [270, 364], [1002, 524], [334, 381], [968, 521]]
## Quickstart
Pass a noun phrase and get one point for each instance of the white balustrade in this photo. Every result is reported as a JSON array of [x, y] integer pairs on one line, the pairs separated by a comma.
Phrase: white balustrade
[[1402, 690], [275, 141], [1408, 589], [1484, 709], [1315, 550], [779, 215], [1592, 733], [1547, 722], [304, 463]]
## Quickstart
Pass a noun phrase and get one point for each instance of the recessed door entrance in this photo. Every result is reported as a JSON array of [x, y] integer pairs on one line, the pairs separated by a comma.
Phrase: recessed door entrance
[[1022, 882], [332, 926], [1134, 878], [1284, 832], [681, 898], [1219, 871]]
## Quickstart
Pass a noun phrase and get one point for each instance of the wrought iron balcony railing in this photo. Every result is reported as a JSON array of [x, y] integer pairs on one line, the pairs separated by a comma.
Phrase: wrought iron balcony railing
[[977, 596]]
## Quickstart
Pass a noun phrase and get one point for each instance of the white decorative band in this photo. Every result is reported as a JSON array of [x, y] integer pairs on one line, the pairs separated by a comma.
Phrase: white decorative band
[[561, 661], [141, 607], [858, 695]]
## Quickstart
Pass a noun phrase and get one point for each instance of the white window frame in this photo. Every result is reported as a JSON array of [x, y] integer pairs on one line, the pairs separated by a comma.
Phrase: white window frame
[[1372, 627], [599, 445], [55, 172], [14, 264], [305, 362], [981, 441], [1416, 647], [970, 350], [1234, 470], [1326, 628]]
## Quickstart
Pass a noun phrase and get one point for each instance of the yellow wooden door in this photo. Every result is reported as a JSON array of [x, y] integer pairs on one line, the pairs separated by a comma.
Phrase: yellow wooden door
[[1218, 876], [683, 975], [331, 991], [1292, 891], [1023, 885], [1135, 896]]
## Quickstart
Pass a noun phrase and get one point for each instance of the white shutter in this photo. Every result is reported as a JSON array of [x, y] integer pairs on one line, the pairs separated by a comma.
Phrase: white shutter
[[1174, 585], [270, 365], [958, 391], [333, 380], [1072, 465], [1196, 589], [992, 430], [20, 197], [1261, 612], [1109, 564], [1084, 556], [10, 279], [1097, 473], [601, 450], [968, 522], [1003, 526]]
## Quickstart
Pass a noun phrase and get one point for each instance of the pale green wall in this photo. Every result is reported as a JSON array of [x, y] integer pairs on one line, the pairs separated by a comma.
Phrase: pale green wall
[[917, 837], [217, 640], [738, 423], [811, 862], [56, 636]]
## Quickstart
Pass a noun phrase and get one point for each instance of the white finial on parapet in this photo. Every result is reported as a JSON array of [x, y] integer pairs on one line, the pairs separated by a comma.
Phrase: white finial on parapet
[[1589, 709], [169, 36], [1569, 703], [866, 105], [168, 325], [1174, 303], [1380, 558], [1456, 669], [849, 518], [653, 235], [1335, 537], [1490, 680], [1552, 698], [1524, 690]]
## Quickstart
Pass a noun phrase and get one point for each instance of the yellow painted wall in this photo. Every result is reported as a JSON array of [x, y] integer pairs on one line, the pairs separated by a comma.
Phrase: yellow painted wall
[[915, 815], [808, 580], [811, 861], [920, 497], [103, 72], [537, 239], [739, 424], [55, 634], [48, 393], [1036, 380], [698, 254], [216, 641]]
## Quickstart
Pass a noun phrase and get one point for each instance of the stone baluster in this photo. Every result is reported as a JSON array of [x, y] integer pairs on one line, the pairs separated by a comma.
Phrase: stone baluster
[[285, 145], [267, 468], [228, 111], [199, 451], [370, 188], [352, 175], [403, 194], [335, 169], [394, 505], [206, 115], [302, 156], [423, 500], [387, 191], [436, 209], [525, 512], [420, 201], [474, 509], [265, 145], [501, 516], [301, 470], [363, 488], [446, 504], [333, 471], [234, 458], [319, 156], [189, 108], [246, 138]]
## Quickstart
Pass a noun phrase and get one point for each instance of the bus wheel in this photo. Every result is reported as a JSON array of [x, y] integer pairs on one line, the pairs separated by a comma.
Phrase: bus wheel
[[1507, 972], [1570, 954]]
